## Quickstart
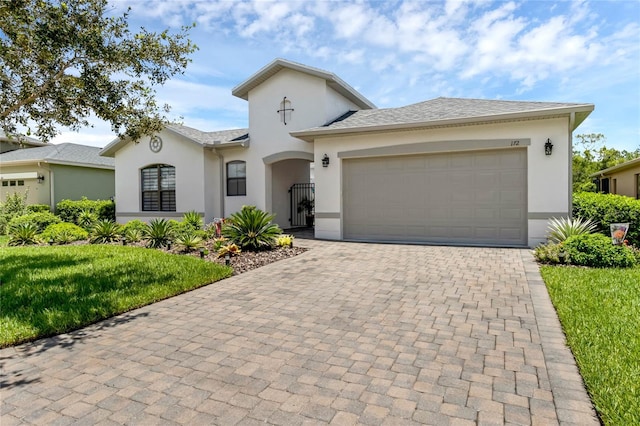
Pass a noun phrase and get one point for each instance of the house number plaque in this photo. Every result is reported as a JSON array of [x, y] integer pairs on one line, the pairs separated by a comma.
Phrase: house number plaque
[[155, 144]]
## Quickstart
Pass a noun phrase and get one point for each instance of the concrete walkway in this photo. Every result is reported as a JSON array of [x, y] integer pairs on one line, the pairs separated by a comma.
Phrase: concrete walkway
[[342, 334]]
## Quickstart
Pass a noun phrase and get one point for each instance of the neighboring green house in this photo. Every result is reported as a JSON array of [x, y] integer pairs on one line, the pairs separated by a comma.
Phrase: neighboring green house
[[52, 173]]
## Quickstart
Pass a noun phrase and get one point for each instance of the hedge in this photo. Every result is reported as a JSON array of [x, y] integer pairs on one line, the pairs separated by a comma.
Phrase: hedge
[[41, 220], [68, 210], [606, 209], [39, 208]]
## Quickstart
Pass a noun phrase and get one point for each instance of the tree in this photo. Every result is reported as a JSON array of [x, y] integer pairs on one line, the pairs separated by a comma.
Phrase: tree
[[590, 155], [63, 62]]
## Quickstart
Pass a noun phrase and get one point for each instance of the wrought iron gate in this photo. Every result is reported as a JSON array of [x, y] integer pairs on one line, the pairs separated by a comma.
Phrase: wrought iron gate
[[302, 204]]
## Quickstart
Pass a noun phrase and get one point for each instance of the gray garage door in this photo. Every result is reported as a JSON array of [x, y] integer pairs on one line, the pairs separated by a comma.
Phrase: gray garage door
[[477, 197]]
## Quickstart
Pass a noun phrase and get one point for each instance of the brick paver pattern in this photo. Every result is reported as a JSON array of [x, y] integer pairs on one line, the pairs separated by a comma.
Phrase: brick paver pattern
[[343, 334]]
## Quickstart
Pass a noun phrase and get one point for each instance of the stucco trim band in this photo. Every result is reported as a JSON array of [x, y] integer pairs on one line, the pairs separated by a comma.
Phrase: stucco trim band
[[327, 215], [439, 146], [546, 215], [154, 214]]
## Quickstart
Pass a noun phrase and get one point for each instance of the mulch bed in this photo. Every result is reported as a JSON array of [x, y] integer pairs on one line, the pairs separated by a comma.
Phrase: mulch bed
[[243, 262], [247, 260]]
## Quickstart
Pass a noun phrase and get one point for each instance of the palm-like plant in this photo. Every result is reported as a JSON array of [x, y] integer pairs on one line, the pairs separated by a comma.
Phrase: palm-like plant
[[563, 228], [159, 233], [105, 231], [193, 219], [189, 240], [251, 229], [23, 234], [86, 219]]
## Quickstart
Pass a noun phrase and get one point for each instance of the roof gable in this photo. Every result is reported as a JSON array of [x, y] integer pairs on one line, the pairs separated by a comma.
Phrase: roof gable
[[219, 139], [333, 81]]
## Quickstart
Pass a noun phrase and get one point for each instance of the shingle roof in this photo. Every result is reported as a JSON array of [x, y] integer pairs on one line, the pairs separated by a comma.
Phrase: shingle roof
[[440, 111], [622, 166], [210, 138], [64, 153]]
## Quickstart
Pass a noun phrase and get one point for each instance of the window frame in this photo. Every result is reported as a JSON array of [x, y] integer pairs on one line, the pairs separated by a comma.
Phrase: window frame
[[165, 198], [236, 185]]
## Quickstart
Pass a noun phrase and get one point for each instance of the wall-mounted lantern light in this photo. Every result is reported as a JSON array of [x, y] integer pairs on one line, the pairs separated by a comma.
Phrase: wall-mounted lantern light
[[40, 178], [548, 147], [325, 161]]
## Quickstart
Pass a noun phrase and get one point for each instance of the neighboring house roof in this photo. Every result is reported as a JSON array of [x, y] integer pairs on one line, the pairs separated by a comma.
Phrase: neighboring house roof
[[443, 112], [20, 139], [217, 139], [618, 168], [335, 82], [69, 154]]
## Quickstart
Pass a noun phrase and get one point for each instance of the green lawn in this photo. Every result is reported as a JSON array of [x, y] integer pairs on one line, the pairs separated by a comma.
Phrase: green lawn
[[4, 240], [600, 312], [51, 290]]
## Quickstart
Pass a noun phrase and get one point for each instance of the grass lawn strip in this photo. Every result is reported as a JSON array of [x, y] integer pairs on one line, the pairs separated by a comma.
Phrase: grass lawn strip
[[600, 313], [51, 290]]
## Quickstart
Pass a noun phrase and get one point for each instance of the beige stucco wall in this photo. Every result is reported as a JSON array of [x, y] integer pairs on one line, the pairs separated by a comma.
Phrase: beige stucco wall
[[314, 104], [37, 193], [625, 182], [548, 176], [189, 161]]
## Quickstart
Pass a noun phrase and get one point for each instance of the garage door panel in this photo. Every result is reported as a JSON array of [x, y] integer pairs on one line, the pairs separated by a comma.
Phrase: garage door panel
[[466, 198]]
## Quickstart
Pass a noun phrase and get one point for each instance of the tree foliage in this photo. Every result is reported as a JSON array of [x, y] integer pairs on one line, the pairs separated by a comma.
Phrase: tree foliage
[[591, 155], [64, 62]]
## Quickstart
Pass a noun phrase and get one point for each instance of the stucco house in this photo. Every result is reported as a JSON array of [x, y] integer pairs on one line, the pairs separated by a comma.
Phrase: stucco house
[[623, 179], [447, 170], [52, 173]]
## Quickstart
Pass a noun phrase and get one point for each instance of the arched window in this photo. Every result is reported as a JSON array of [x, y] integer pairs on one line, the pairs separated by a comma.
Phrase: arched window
[[158, 188], [236, 178]]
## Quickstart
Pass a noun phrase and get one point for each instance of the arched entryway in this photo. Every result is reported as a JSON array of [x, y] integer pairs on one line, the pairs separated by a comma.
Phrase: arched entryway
[[287, 169]]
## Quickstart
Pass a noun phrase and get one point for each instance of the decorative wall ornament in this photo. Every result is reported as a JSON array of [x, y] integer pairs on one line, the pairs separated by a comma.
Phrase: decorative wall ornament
[[285, 110], [155, 144]]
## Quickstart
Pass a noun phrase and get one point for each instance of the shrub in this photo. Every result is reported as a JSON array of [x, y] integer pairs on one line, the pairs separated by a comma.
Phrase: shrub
[[69, 210], [189, 241], [40, 220], [105, 231], [15, 205], [86, 219], [131, 235], [596, 250], [563, 228], [219, 242], [39, 208], [606, 209], [159, 232], [251, 229], [134, 224], [284, 240], [64, 233], [550, 253], [24, 233], [231, 249], [193, 219]]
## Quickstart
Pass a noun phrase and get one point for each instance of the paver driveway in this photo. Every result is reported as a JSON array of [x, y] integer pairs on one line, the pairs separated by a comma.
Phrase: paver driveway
[[343, 334]]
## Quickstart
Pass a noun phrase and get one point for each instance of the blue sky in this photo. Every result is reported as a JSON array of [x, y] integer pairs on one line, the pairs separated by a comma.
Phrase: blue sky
[[401, 52]]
